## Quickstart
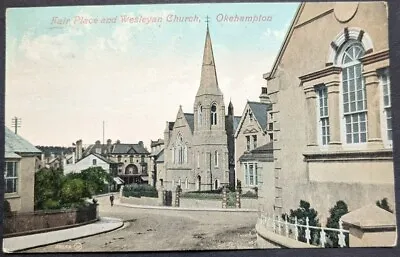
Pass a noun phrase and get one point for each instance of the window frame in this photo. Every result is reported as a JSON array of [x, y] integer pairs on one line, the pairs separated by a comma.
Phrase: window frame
[[216, 159], [214, 114], [352, 114], [14, 178], [325, 117], [384, 72]]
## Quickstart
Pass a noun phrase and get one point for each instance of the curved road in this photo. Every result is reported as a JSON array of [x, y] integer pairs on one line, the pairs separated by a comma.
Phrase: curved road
[[153, 230]]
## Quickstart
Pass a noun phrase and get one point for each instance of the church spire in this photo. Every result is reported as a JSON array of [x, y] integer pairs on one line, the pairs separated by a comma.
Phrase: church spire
[[208, 80]]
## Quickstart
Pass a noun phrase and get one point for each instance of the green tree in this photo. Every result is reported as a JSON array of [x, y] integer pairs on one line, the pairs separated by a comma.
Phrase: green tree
[[336, 213], [384, 205], [302, 213], [73, 191], [48, 183]]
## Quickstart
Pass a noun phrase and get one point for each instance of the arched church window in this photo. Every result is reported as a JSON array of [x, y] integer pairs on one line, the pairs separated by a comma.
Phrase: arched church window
[[200, 115], [216, 158], [214, 114], [354, 93]]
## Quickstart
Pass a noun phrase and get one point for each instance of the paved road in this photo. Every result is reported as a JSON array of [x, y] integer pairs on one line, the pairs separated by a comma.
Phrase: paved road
[[152, 230]]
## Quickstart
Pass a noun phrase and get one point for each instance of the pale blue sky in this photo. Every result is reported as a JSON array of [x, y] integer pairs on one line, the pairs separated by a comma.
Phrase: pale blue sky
[[64, 80]]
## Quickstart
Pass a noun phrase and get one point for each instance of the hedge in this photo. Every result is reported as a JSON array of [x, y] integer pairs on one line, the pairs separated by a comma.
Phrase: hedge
[[139, 190]]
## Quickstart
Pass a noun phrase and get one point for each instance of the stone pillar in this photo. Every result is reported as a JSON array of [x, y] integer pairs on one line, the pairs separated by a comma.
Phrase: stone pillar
[[177, 196], [311, 125], [370, 226], [173, 201], [161, 196], [238, 199], [121, 191], [373, 105], [224, 198], [334, 113]]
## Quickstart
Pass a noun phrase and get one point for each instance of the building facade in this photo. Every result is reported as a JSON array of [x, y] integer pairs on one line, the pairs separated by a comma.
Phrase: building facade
[[156, 152], [251, 133], [21, 160], [331, 108], [199, 146]]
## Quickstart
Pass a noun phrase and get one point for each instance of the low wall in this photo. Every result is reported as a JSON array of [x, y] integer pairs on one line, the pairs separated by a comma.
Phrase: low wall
[[149, 201], [268, 239], [16, 224]]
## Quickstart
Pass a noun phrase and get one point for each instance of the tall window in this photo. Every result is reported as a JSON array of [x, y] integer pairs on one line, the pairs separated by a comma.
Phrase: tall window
[[254, 141], [200, 115], [387, 105], [198, 160], [119, 158], [250, 115], [131, 159], [248, 143], [354, 95], [180, 151], [94, 161], [322, 94], [250, 174], [213, 114], [10, 177], [216, 158]]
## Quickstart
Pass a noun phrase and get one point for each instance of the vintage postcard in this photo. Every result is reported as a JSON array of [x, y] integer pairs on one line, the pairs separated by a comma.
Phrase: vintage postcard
[[198, 127]]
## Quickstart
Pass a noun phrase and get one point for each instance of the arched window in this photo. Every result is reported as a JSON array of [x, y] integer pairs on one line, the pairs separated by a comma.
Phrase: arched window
[[180, 182], [214, 114], [216, 184], [180, 150], [216, 158], [353, 93], [200, 115]]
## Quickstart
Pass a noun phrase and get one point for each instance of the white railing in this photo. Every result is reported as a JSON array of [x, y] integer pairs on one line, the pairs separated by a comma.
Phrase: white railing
[[293, 230]]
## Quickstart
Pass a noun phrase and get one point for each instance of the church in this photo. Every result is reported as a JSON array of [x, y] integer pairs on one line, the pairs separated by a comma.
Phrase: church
[[199, 146]]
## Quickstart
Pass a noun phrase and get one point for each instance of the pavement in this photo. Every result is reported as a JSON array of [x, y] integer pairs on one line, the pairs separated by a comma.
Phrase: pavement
[[105, 224], [118, 203]]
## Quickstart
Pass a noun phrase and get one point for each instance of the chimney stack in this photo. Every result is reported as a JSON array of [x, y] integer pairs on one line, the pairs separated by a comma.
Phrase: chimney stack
[[78, 149], [109, 142], [264, 98]]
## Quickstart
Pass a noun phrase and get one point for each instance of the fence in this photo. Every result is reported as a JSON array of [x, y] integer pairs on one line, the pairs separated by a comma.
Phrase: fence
[[311, 235]]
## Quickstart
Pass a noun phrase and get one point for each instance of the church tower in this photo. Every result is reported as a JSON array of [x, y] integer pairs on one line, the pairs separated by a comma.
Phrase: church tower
[[210, 137]]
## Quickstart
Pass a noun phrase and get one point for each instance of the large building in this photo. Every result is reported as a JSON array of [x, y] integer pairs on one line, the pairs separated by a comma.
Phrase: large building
[[21, 162], [330, 95], [199, 146]]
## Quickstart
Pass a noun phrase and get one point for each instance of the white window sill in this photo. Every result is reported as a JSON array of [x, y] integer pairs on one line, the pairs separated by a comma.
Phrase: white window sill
[[11, 195]]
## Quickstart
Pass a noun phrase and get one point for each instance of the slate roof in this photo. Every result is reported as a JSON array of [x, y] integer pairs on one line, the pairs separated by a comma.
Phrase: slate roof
[[15, 145], [125, 148], [260, 112], [103, 158], [92, 149], [190, 119], [155, 143], [236, 121], [262, 153], [160, 157]]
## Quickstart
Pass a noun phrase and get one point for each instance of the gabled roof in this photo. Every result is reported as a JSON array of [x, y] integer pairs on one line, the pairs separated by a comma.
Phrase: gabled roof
[[289, 34], [92, 149], [129, 148], [103, 158], [190, 120], [16, 145], [259, 111]]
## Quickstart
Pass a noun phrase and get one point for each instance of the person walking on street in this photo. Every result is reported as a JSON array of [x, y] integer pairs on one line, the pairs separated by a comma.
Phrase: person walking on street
[[112, 200]]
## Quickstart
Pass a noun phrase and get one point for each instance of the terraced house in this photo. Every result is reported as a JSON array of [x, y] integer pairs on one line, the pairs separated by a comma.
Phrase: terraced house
[[331, 107]]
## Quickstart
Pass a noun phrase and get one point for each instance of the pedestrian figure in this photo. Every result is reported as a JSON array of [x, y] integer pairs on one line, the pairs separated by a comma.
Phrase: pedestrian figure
[[112, 200]]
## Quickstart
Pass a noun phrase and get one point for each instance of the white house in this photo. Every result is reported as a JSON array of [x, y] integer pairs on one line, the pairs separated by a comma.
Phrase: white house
[[92, 160]]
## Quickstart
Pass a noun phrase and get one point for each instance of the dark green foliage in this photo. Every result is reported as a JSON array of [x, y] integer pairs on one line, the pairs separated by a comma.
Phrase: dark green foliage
[[48, 184], [336, 213], [384, 205], [139, 190], [231, 199], [202, 195], [249, 194], [302, 213], [53, 190]]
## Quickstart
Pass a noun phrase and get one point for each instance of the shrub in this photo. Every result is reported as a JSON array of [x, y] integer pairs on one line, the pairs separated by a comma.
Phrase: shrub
[[139, 190], [302, 213], [384, 205], [201, 195], [336, 212], [231, 199], [249, 194]]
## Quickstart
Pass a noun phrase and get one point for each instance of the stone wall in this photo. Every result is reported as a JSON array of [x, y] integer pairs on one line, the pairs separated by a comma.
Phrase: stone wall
[[39, 221]]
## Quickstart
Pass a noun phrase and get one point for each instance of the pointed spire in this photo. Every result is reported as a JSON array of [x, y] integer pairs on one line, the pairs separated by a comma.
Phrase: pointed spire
[[208, 80], [230, 107]]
